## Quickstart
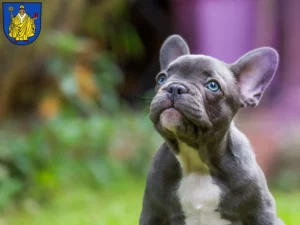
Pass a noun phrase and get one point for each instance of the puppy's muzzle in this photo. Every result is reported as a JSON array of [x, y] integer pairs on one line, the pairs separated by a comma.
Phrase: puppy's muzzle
[[175, 91]]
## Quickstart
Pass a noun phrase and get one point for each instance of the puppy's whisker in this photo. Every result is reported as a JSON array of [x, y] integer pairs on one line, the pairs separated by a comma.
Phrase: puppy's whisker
[[144, 111]]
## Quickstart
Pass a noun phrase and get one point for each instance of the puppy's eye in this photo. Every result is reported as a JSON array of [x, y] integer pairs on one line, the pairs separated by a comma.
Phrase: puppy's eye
[[213, 86], [161, 79]]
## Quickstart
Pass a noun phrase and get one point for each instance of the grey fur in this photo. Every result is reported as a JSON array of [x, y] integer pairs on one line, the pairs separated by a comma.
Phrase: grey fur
[[174, 47], [207, 125]]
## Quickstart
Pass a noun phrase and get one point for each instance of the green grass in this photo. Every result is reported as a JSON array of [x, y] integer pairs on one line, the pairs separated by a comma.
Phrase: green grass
[[288, 207], [115, 205]]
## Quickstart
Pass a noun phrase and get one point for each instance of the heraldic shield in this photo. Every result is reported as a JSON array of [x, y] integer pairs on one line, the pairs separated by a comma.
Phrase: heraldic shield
[[22, 21]]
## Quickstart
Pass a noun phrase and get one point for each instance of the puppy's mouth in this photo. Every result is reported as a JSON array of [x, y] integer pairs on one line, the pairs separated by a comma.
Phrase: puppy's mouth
[[182, 117], [171, 119]]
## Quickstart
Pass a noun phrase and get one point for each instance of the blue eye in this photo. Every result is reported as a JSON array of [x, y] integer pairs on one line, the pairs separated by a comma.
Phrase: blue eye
[[161, 79], [213, 86]]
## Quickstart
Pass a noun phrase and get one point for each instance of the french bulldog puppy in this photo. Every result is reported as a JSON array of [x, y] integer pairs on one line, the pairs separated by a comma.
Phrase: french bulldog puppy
[[206, 172]]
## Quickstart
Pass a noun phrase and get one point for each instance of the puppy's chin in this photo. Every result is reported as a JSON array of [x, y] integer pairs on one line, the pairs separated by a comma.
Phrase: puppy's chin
[[171, 120]]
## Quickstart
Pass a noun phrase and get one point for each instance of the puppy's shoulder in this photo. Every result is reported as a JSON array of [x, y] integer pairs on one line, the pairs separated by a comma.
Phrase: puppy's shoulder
[[240, 145], [164, 170]]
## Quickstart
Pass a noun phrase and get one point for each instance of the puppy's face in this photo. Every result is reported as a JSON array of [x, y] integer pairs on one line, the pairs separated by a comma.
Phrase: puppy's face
[[197, 96]]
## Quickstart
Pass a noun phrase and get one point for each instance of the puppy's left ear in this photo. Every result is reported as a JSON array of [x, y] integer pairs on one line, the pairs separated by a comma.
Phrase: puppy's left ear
[[173, 47], [254, 72]]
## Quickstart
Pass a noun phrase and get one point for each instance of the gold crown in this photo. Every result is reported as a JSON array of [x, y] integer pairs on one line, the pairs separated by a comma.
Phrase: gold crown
[[22, 7]]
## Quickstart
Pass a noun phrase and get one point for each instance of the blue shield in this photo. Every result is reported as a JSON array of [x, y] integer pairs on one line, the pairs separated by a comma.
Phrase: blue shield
[[22, 21]]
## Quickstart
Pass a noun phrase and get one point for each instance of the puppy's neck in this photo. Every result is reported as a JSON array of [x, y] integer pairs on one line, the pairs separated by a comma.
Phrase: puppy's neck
[[204, 157], [190, 160]]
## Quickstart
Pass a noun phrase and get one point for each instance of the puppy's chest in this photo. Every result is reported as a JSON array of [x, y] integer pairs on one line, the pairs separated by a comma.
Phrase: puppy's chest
[[198, 195]]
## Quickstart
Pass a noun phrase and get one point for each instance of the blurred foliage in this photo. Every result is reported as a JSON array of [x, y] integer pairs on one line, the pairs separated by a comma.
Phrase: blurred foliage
[[72, 128], [286, 168], [286, 179], [65, 152], [109, 22], [74, 64], [88, 82]]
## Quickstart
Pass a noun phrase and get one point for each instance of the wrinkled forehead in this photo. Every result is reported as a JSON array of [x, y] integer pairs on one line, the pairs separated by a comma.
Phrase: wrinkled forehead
[[199, 65]]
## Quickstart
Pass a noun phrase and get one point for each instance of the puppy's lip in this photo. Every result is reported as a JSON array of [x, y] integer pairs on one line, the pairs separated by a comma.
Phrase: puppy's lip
[[171, 119], [204, 125], [170, 109], [155, 117]]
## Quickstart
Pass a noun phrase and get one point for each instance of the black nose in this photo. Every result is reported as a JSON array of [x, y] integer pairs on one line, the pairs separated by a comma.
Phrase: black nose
[[175, 91]]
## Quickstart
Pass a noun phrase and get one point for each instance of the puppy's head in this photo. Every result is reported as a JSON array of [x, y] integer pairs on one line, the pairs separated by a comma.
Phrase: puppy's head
[[198, 96]]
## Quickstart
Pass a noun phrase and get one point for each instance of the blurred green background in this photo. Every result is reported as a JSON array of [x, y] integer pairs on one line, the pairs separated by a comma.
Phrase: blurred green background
[[75, 137]]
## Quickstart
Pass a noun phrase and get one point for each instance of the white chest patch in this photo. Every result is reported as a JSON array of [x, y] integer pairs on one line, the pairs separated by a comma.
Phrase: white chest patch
[[198, 195]]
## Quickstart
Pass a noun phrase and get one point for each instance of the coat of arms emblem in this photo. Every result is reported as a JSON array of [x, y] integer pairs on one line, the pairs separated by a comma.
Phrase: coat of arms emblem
[[21, 21]]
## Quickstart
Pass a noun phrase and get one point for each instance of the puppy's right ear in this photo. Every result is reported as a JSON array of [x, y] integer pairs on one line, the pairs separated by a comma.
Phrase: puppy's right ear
[[254, 72], [172, 48]]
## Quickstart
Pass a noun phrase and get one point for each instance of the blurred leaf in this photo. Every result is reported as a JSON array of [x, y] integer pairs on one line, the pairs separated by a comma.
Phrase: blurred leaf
[[8, 188], [69, 85], [65, 42]]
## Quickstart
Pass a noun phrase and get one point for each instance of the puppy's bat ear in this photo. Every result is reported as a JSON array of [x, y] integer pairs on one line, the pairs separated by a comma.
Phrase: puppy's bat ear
[[173, 47], [254, 72]]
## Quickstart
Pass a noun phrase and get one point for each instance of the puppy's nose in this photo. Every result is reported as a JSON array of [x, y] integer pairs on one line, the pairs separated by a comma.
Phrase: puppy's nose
[[175, 91]]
